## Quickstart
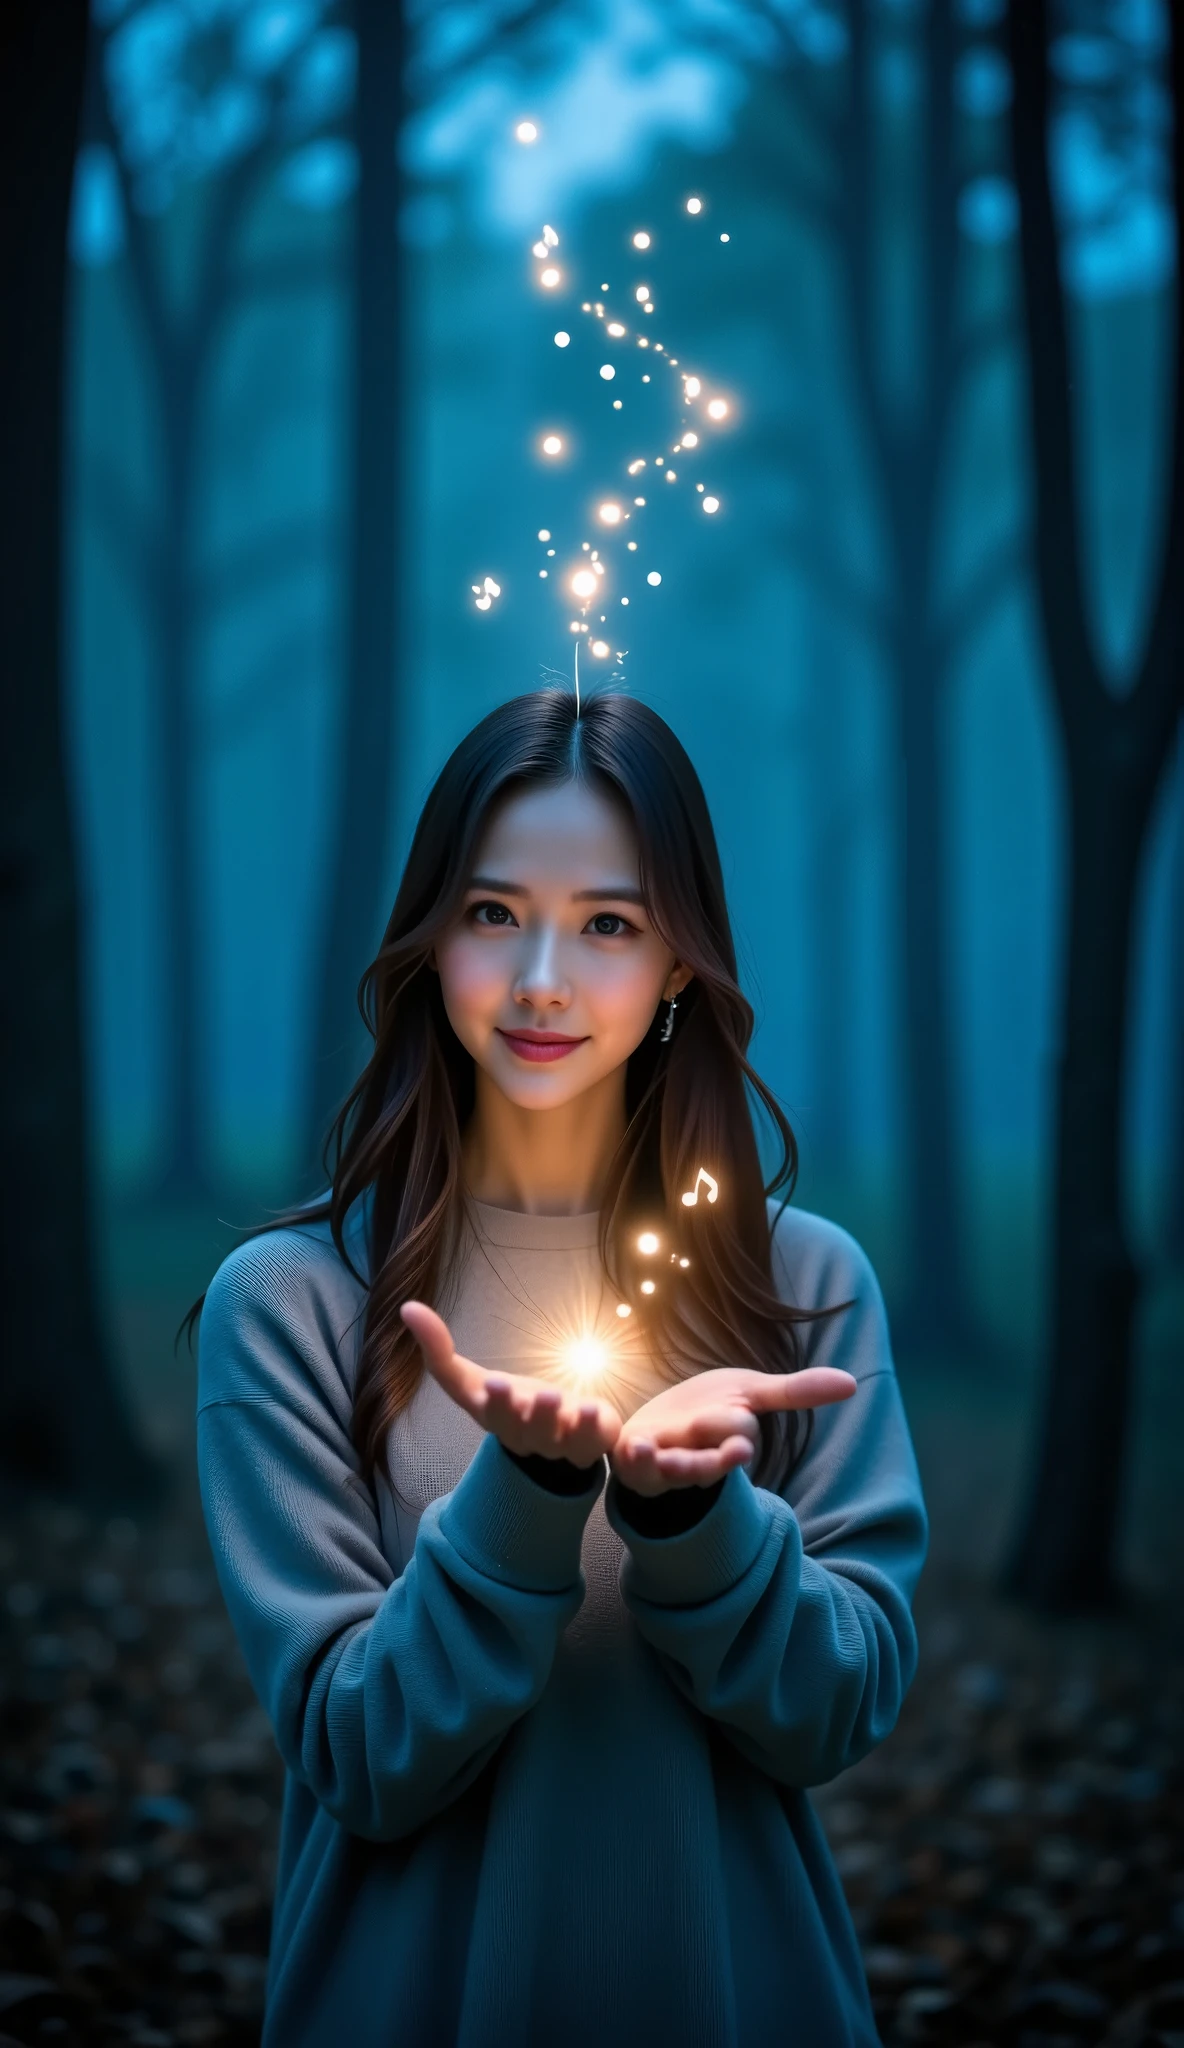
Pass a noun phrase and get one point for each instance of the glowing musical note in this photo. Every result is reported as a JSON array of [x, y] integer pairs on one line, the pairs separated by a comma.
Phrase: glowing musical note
[[690, 1201]]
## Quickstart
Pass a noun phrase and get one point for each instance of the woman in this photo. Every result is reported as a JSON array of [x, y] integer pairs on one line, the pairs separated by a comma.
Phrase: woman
[[559, 1484]]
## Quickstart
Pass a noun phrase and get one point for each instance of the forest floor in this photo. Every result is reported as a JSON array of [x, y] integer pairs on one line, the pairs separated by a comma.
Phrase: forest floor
[[1013, 1853]]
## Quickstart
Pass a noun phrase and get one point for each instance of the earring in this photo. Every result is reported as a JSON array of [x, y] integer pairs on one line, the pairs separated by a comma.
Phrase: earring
[[667, 1032]]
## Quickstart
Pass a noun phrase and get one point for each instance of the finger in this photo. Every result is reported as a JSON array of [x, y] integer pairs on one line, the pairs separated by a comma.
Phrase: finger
[[703, 1468], [815, 1387]]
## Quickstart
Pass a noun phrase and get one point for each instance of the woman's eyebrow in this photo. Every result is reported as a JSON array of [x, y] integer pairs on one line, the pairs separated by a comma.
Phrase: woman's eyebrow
[[498, 888]]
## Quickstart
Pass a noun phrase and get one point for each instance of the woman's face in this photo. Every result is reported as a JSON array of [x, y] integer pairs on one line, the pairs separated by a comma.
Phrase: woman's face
[[552, 973]]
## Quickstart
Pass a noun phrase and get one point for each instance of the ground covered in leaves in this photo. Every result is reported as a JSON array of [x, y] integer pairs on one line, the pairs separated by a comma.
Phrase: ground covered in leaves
[[1014, 1854]]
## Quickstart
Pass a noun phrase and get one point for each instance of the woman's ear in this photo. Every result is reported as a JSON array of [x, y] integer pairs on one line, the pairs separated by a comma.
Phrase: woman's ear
[[677, 980]]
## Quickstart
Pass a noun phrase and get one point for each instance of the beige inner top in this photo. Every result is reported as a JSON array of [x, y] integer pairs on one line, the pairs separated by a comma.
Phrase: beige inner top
[[528, 1294]]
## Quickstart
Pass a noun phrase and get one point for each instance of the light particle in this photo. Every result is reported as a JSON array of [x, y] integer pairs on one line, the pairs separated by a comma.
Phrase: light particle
[[552, 444], [609, 513], [549, 277], [562, 338], [600, 648], [641, 240], [694, 206], [608, 372], [653, 579], [527, 131], [718, 409], [711, 504]]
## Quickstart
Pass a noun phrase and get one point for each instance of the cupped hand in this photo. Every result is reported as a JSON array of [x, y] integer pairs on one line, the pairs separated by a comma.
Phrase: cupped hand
[[694, 1433], [527, 1416]]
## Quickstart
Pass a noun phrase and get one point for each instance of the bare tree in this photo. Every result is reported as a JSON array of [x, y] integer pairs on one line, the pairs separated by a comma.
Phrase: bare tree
[[181, 333], [1115, 749], [351, 915], [62, 1419]]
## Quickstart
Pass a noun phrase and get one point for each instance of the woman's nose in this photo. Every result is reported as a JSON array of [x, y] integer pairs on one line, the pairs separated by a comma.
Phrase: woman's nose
[[541, 979]]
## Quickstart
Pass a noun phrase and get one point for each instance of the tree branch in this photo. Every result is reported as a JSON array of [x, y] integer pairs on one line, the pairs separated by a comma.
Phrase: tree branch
[[980, 593], [275, 554], [108, 501], [268, 688]]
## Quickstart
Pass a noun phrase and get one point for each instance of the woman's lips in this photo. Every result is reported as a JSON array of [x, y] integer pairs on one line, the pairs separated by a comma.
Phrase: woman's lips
[[539, 1045]]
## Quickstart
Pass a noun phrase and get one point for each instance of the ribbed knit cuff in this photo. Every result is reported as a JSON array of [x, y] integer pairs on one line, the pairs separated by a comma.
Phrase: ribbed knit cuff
[[669, 1513], [513, 1530], [557, 1475], [681, 1571]]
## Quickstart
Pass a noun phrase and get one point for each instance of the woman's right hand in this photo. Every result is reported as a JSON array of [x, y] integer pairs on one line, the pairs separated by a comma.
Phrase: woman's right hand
[[529, 1417]]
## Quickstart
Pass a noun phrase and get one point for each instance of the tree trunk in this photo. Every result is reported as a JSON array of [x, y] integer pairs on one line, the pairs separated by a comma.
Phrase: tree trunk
[[184, 1166], [906, 446], [62, 1420], [354, 913], [1116, 750], [1173, 1222]]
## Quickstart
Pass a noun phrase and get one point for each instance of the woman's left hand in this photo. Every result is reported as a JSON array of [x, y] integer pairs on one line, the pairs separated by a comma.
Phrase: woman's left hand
[[693, 1433]]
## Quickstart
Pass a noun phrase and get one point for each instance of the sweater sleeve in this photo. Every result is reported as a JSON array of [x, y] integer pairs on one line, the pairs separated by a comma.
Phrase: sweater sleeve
[[387, 1695], [786, 1617]]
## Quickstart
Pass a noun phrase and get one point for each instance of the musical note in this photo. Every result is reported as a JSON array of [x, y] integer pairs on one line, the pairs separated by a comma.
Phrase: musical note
[[690, 1201]]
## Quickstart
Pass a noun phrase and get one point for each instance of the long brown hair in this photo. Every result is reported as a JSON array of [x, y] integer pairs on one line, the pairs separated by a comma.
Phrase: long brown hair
[[689, 1102]]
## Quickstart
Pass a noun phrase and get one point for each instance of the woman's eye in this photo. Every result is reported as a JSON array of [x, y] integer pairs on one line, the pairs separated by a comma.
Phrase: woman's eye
[[491, 913], [607, 925]]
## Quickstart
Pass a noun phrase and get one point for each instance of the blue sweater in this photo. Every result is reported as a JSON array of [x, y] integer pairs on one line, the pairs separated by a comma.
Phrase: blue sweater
[[498, 1833]]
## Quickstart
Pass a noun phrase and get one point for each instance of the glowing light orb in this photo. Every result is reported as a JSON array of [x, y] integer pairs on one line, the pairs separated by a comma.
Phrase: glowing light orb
[[725, 238], [615, 328], [550, 238], [648, 1287], [641, 240], [690, 441], [583, 583], [539, 249], [694, 206], [492, 589], [608, 372], [642, 294], [684, 1263], [672, 476], [692, 386], [635, 466], [562, 338], [600, 648], [526, 131], [610, 513], [483, 603], [552, 444], [653, 579], [617, 403], [632, 544], [718, 409], [585, 1359], [549, 277], [711, 504], [639, 501], [623, 1310], [543, 572], [632, 547], [647, 1242], [544, 533]]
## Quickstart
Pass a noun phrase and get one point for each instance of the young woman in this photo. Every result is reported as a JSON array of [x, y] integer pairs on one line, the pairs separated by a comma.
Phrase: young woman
[[559, 1484]]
